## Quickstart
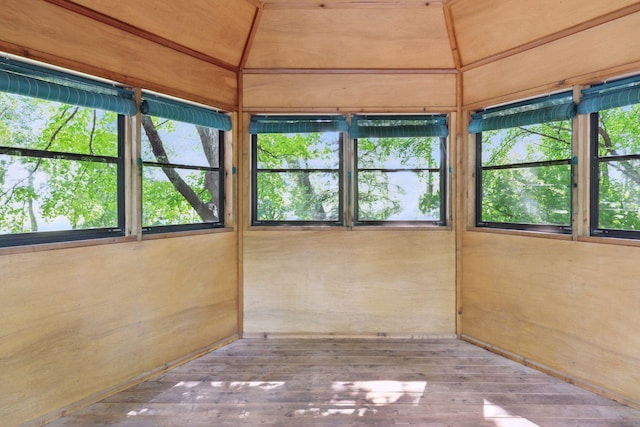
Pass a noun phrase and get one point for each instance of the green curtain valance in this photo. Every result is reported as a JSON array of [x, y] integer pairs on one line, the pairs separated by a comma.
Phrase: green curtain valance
[[36, 82], [398, 126], [182, 112], [297, 124], [613, 94], [539, 110]]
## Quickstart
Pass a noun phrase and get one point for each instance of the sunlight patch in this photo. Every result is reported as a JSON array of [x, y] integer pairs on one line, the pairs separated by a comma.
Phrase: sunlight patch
[[263, 385], [502, 418]]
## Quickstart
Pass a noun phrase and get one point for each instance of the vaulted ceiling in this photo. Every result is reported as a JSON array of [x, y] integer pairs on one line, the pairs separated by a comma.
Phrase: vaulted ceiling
[[352, 34]]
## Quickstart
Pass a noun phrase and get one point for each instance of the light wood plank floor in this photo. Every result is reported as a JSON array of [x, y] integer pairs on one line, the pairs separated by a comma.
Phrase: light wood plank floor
[[354, 383]]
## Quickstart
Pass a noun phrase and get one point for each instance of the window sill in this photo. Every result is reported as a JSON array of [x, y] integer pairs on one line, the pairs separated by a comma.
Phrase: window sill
[[524, 233], [10, 250], [333, 228], [619, 241], [171, 234], [402, 227]]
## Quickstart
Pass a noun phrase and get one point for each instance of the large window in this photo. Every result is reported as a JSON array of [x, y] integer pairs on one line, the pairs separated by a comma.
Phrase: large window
[[297, 167], [524, 167], [615, 164], [183, 166], [400, 169], [61, 156]]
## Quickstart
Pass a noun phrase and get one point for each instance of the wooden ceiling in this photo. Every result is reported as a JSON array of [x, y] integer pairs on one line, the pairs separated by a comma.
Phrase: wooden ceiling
[[351, 34]]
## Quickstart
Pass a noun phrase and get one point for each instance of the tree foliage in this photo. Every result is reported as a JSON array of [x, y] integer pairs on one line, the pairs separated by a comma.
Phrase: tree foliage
[[538, 189], [43, 192]]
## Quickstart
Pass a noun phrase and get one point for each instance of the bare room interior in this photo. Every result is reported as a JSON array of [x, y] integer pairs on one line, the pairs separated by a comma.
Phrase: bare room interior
[[305, 212]]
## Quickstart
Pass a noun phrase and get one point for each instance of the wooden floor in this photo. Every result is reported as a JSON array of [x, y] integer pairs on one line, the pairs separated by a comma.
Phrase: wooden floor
[[354, 383]]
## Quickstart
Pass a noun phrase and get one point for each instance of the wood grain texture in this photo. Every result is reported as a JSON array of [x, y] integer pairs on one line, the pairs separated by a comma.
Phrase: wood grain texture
[[349, 282], [325, 37], [219, 30], [47, 32], [79, 321], [514, 23], [355, 91], [571, 306], [558, 64], [341, 383]]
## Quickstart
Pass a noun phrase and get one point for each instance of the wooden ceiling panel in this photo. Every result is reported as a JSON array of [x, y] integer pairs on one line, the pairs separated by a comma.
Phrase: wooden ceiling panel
[[351, 36], [489, 27], [218, 29]]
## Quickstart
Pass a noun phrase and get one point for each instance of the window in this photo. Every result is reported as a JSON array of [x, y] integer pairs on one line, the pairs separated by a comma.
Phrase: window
[[400, 169], [615, 159], [61, 156], [182, 164], [297, 170], [524, 167]]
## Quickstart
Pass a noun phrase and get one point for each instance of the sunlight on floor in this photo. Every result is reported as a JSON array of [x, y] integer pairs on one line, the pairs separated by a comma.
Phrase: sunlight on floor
[[360, 397], [503, 418]]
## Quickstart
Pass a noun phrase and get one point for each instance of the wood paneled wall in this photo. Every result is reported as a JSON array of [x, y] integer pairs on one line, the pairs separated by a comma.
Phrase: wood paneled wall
[[569, 306], [338, 91], [585, 57], [43, 31], [77, 322], [340, 282]]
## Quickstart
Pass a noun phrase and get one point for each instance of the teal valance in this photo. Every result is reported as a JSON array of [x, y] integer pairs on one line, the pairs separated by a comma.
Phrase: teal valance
[[613, 94], [540, 110], [297, 124], [52, 85], [175, 110], [364, 126]]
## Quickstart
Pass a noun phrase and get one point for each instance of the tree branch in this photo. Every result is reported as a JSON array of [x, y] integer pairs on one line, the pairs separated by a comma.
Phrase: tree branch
[[157, 147]]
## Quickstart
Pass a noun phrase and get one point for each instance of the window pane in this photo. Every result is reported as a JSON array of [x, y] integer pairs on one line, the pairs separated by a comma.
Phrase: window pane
[[299, 151], [40, 194], [195, 202], [398, 196], [541, 142], [619, 198], [619, 131], [398, 153], [51, 126], [535, 195], [298, 196], [170, 141]]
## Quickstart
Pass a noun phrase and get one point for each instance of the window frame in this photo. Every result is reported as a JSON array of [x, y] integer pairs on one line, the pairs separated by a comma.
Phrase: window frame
[[443, 178], [298, 223], [171, 228], [594, 185], [58, 236], [547, 228]]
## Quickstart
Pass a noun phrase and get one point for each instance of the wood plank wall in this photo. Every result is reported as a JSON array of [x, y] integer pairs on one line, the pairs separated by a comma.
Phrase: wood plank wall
[[569, 306], [82, 321], [44, 31], [353, 283], [380, 91], [606, 50]]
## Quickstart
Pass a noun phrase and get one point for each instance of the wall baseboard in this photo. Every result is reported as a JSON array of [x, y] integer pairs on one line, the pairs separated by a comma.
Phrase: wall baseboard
[[76, 406], [337, 336], [578, 382]]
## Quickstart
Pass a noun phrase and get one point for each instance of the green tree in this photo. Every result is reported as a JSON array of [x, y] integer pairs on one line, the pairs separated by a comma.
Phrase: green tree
[[538, 189], [39, 193], [299, 178], [179, 196], [393, 171], [37, 190]]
